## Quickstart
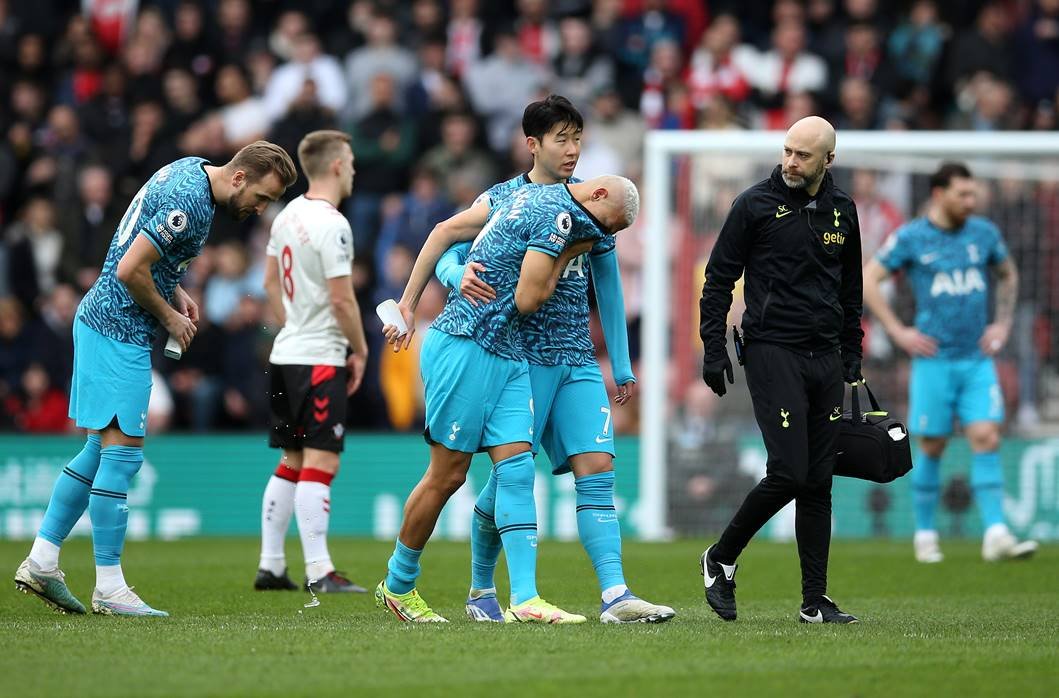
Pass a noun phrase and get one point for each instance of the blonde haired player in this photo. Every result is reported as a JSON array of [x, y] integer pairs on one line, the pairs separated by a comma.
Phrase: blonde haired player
[[308, 279]]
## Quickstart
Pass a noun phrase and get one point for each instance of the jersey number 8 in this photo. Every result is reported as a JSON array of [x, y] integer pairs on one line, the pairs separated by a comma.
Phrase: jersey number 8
[[287, 262]]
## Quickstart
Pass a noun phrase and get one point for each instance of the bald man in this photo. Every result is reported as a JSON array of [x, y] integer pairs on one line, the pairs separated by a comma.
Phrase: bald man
[[797, 237]]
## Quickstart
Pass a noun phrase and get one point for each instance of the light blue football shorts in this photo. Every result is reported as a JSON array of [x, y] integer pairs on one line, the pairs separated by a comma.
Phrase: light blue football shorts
[[110, 379], [571, 413], [474, 399], [941, 389]]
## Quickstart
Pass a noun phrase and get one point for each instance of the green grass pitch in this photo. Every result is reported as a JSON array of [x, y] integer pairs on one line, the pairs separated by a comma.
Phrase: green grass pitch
[[960, 628]]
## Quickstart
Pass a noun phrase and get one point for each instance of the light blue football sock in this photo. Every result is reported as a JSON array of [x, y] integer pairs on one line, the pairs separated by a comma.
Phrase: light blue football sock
[[516, 520], [485, 539], [107, 501], [926, 482], [402, 569], [598, 528], [987, 481], [69, 498]]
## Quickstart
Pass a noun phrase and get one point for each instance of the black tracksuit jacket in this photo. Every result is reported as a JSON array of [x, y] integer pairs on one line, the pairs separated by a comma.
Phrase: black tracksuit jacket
[[802, 259]]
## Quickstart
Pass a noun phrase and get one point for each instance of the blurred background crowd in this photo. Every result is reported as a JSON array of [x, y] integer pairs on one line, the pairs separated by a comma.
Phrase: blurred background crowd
[[97, 95]]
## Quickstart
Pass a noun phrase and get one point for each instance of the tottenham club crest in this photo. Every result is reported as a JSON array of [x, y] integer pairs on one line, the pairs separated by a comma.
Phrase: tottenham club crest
[[563, 222], [176, 221]]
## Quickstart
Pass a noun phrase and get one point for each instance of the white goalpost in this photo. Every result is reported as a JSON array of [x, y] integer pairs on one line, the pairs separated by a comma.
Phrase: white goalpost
[[670, 165]]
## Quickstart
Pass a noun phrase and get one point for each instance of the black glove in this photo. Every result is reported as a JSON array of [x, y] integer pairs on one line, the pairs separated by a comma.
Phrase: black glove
[[713, 373], [851, 370]]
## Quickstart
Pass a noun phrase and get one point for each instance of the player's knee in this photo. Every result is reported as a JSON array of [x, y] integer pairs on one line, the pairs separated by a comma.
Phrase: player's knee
[[985, 440], [326, 461], [932, 446], [591, 464], [516, 472]]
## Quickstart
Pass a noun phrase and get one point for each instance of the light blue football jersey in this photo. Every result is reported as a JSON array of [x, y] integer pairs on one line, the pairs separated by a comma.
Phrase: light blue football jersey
[[545, 218], [174, 211], [558, 333], [948, 271]]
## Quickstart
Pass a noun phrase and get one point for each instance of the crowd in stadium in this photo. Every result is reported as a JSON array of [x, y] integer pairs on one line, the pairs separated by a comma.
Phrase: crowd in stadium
[[432, 93]]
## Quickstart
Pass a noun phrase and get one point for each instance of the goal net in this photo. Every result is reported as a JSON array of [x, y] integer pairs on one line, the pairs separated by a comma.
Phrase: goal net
[[699, 454]]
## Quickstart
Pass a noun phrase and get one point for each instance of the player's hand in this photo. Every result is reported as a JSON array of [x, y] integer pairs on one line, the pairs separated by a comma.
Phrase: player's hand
[[474, 289], [994, 338], [185, 306], [355, 363], [714, 372], [401, 341], [915, 342], [182, 328], [625, 391], [851, 371]]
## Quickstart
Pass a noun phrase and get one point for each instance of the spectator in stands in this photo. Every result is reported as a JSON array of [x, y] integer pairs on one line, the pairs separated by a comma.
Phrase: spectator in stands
[[305, 114], [915, 47], [244, 118], [720, 64], [22, 341], [91, 227], [34, 238], [429, 76], [857, 102], [418, 212], [537, 35], [38, 407], [427, 25], [640, 32], [307, 63], [457, 157], [384, 145], [1037, 52], [229, 283], [234, 29], [289, 27], [787, 68], [105, 118], [662, 77], [616, 126], [464, 33], [826, 31], [990, 105], [494, 93], [580, 68], [192, 48], [864, 59], [382, 54], [985, 47], [182, 104], [57, 312], [147, 149]]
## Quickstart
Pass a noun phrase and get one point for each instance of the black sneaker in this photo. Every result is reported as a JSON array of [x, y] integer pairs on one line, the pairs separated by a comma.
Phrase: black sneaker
[[266, 581], [825, 611], [334, 582], [720, 585]]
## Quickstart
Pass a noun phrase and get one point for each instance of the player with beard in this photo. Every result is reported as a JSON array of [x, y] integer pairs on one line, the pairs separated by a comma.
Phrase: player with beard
[[797, 238], [162, 232]]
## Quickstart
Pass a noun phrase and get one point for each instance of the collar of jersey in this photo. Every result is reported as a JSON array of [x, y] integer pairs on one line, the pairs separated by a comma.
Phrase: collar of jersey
[[588, 213]]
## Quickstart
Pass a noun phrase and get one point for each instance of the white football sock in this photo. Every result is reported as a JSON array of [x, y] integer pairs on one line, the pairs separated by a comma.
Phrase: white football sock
[[276, 508], [312, 501], [45, 554], [109, 579]]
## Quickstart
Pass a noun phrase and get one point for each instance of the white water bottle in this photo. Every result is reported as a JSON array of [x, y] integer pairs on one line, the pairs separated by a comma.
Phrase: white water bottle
[[390, 314], [172, 348]]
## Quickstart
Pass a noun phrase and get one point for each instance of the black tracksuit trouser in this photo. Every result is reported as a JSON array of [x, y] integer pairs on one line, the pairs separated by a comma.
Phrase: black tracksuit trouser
[[795, 396]]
